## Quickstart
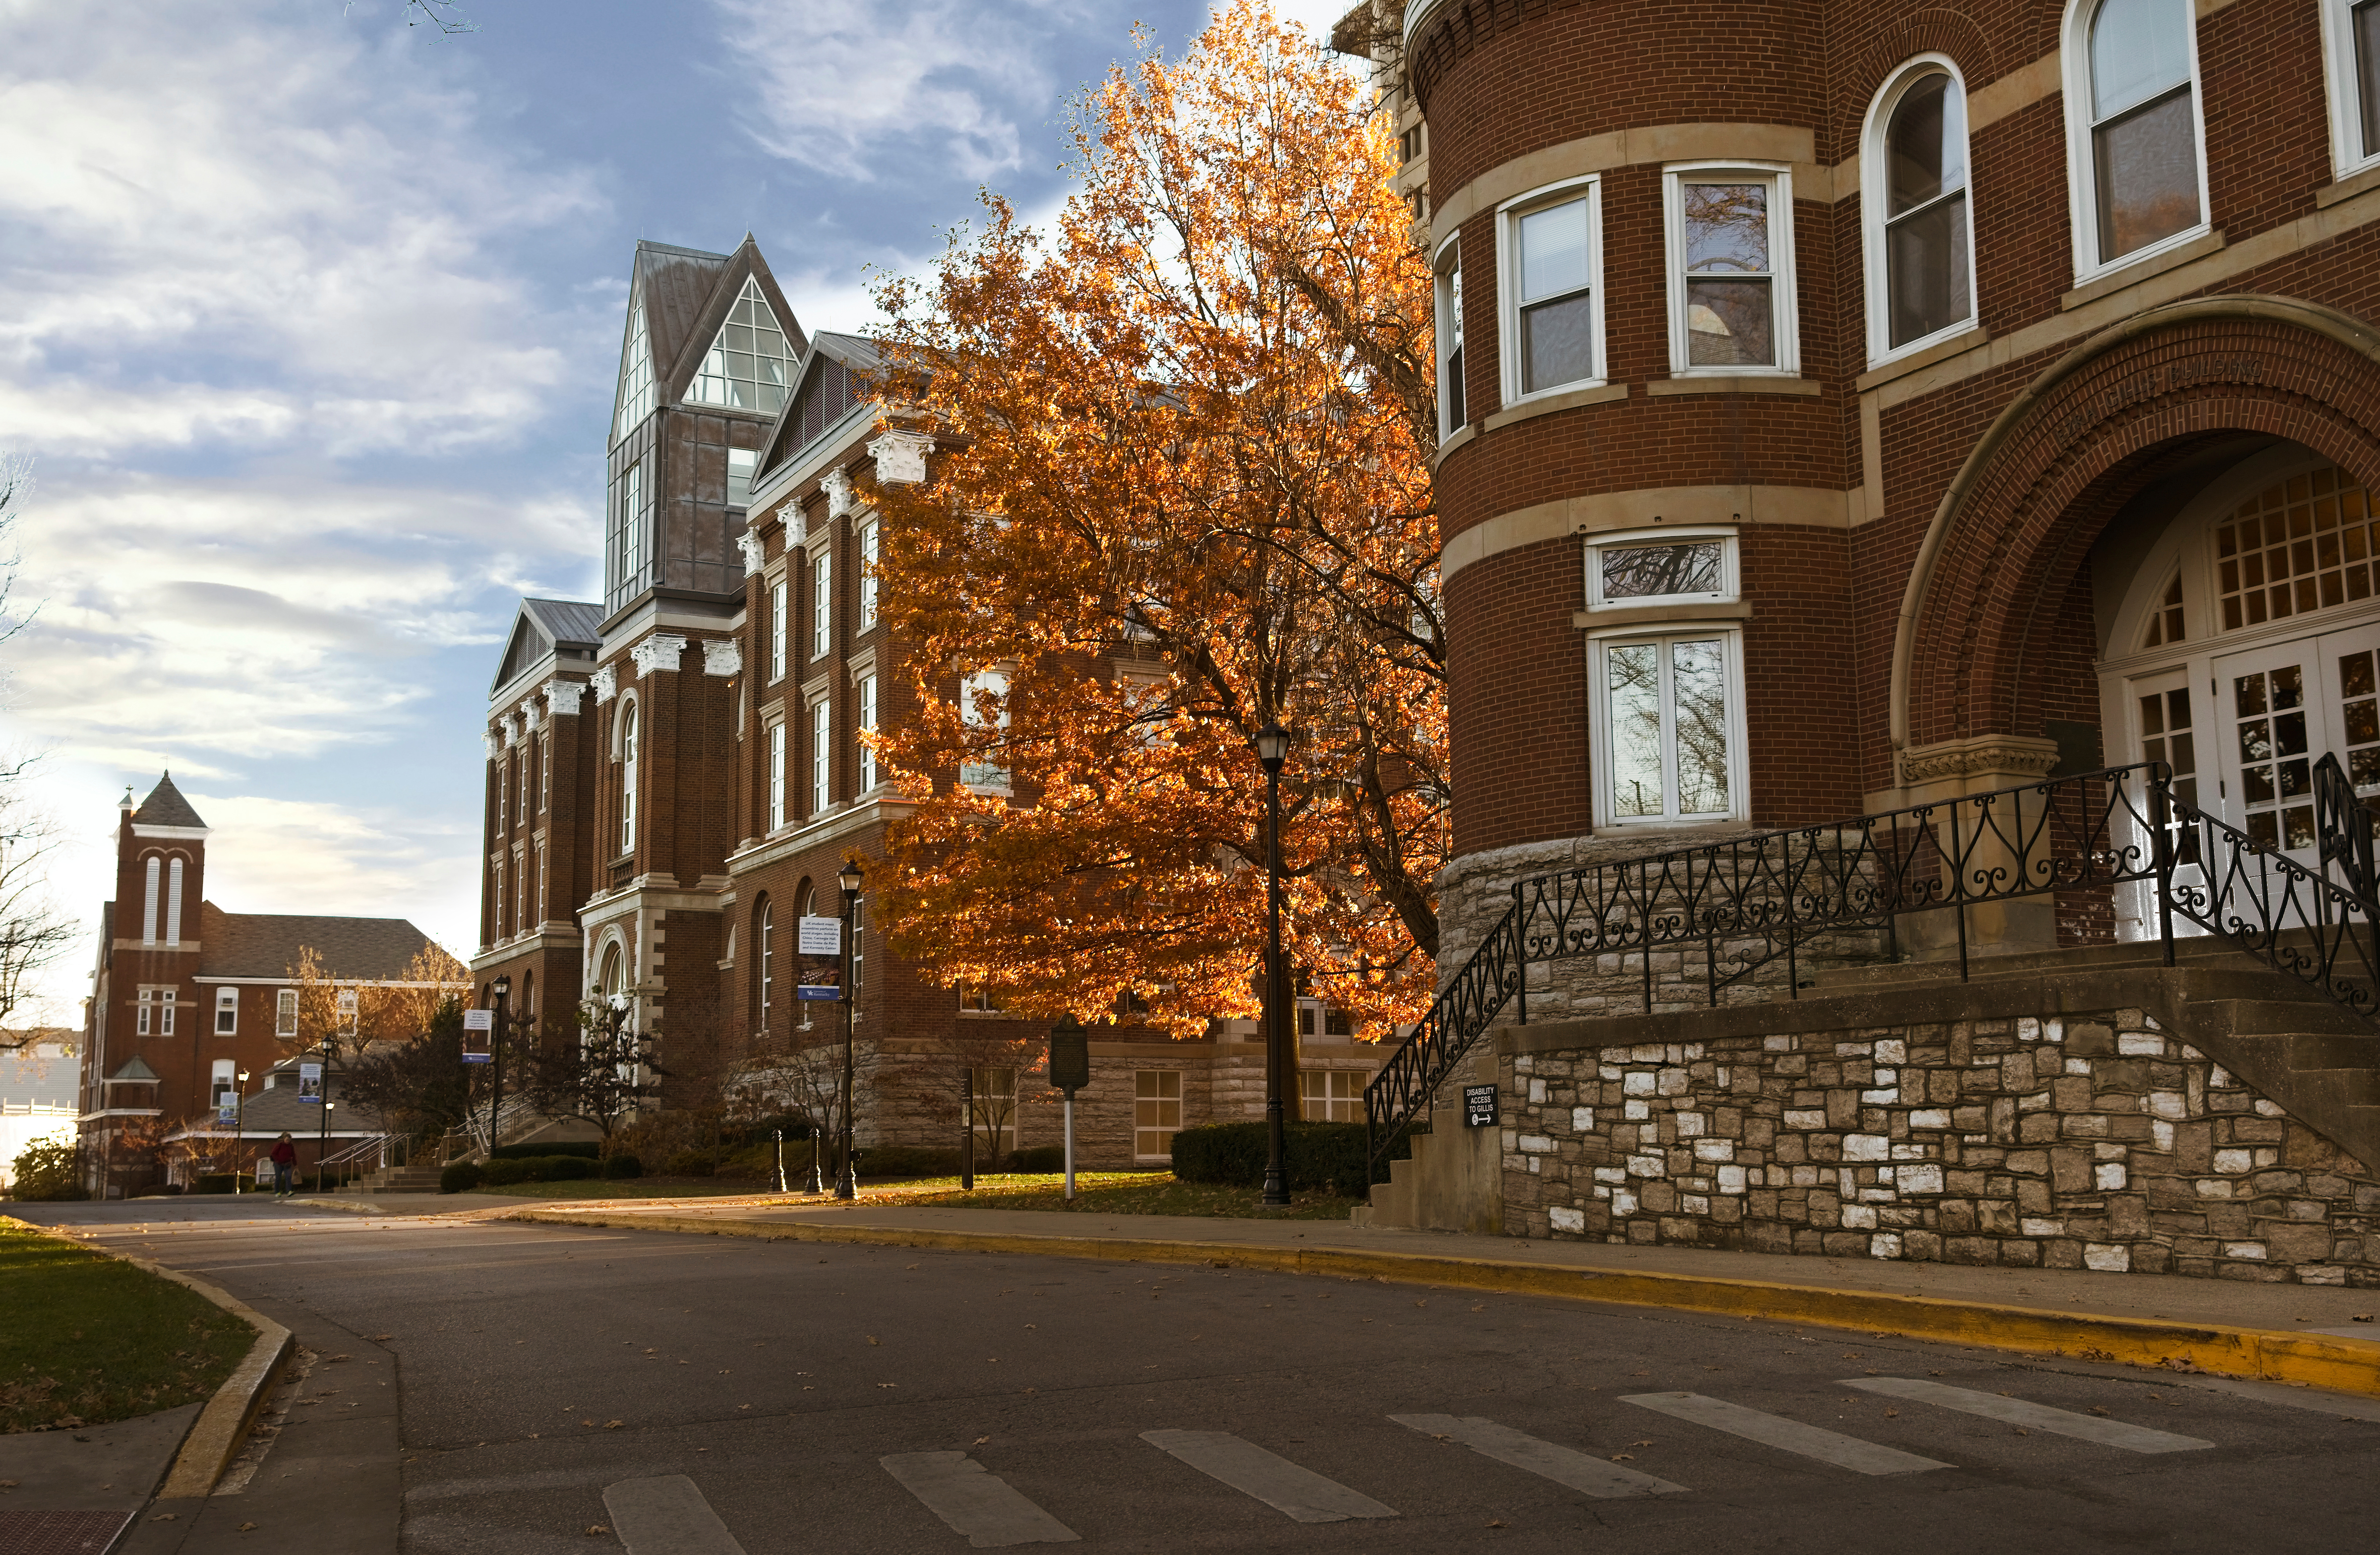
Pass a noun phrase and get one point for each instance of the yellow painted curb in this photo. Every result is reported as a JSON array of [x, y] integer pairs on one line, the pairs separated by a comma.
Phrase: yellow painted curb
[[2312, 1361], [216, 1437]]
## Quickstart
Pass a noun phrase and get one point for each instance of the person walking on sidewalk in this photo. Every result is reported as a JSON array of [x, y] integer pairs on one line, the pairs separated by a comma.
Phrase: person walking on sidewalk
[[283, 1156]]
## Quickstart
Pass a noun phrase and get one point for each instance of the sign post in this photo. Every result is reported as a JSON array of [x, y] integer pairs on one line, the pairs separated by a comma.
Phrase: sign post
[[478, 1032], [1070, 1070]]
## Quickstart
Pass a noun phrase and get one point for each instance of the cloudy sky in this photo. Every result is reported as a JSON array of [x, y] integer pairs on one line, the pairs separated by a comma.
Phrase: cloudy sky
[[309, 322]]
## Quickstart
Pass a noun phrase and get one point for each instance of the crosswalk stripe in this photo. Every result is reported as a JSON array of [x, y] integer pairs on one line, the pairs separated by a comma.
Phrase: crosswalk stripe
[[1563, 1465], [973, 1501], [1270, 1479], [1790, 1436], [666, 1515], [2036, 1416]]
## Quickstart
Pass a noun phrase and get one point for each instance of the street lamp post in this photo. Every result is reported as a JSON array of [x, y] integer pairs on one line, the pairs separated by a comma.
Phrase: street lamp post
[[1272, 747], [847, 1182], [238, 1125], [501, 989]]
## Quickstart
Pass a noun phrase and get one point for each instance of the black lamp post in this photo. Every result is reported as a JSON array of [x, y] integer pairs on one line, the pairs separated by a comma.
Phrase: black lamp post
[[847, 1184], [501, 989], [238, 1127], [1272, 747]]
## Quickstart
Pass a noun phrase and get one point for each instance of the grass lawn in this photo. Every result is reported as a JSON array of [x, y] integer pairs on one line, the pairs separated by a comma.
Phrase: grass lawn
[[1108, 1193], [89, 1339]]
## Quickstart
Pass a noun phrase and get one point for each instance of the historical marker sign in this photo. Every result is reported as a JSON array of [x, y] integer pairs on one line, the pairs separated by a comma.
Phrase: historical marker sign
[[1070, 1056], [1479, 1106]]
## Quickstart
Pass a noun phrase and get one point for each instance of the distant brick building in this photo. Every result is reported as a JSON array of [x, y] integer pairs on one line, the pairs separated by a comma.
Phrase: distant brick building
[[675, 773], [1848, 407], [187, 996]]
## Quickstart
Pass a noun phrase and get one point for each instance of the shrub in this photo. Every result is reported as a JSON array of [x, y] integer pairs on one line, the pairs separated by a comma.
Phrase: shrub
[[567, 1168], [587, 1148], [216, 1182], [908, 1161], [624, 1165], [503, 1173], [1038, 1158], [1326, 1157], [47, 1169], [691, 1163], [460, 1177]]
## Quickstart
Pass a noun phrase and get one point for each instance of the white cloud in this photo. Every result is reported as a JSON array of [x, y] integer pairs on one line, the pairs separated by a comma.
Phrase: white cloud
[[260, 232], [843, 85]]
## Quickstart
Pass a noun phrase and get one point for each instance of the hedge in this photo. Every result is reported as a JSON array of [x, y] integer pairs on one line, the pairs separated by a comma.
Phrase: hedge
[[587, 1148], [624, 1165], [1327, 1157], [461, 1177]]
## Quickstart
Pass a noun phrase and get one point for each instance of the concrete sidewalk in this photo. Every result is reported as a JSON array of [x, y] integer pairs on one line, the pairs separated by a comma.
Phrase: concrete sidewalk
[[2298, 1334]]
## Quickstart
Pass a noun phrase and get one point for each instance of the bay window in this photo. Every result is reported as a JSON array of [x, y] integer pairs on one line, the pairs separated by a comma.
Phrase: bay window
[[1730, 281], [1451, 414], [1920, 228], [1551, 263]]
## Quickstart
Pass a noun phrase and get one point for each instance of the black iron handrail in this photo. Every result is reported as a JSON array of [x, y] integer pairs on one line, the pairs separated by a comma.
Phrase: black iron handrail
[[1746, 902]]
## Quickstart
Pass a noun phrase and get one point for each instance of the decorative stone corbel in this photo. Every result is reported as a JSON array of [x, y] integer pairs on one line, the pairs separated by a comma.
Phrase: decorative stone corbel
[[723, 656], [900, 457], [495, 743], [606, 682], [836, 483], [510, 724], [796, 523], [532, 715], [564, 697], [661, 651], [754, 549]]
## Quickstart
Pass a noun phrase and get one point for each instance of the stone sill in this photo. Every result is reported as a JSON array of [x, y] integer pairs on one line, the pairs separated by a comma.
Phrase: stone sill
[[1746, 384], [2142, 269], [2347, 188], [1522, 410], [1654, 615], [1901, 367]]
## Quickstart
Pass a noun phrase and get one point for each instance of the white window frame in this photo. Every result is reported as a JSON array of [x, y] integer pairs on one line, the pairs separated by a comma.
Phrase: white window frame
[[750, 460], [1509, 277], [2082, 182], [1446, 286], [1875, 195], [866, 767], [631, 735], [166, 1000], [345, 1003], [1158, 1103], [2348, 156], [984, 778], [776, 774], [821, 755], [868, 544], [226, 1012], [767, 937], [1731, 576], [823, 603], [1783, 295], [284, 1013], [1598, 698], [780, 595]]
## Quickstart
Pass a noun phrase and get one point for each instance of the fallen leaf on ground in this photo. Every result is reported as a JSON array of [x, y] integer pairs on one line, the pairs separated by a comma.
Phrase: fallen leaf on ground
[[614, 1425], [1623, 1457], [596, 1530], [981, 1439]]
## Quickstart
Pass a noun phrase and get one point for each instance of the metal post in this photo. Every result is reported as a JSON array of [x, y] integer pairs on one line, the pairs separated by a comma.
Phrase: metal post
[[1520, 961], [2161, 822], [1070, 1146], [496, 1060], [238, 1127], [967, 1122], [847, 1184], [781, 1162], [1276, 1190]]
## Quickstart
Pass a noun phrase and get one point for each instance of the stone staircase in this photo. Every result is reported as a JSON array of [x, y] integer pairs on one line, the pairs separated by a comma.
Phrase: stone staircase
[[394, 1179]]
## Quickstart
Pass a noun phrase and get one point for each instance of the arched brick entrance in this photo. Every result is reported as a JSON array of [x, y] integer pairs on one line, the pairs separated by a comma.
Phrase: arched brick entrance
[[2002, 555]]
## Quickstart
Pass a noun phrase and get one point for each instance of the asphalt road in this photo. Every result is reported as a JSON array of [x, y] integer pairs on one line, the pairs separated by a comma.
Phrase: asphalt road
[[868, 1400]]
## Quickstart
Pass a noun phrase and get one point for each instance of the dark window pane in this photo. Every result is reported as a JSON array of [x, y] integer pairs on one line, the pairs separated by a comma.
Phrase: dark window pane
[[1557, 343], [1455, 415], [1925, 255], [1728, 324], [2148, 175], [1925, 149]]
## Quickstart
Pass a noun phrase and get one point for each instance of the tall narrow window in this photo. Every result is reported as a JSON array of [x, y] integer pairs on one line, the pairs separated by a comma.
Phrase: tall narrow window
[[1156, 1112], [1732, 276], [739, 477], [1668, 722], [497, 927], [149, 902], [635, 396], [226, 1012], [174, 902], [859, 949], [629, 777], [1451, 414], [867, 540], [866, 728], [544, 900], [821, 755], [1921, 246], [143, 1001], [284, 1013], [766, 935], [983, 710], [2139, 65], [1551, 307], [821, 604], [776, 774], [624, 558], [166, 997], [777, 628]]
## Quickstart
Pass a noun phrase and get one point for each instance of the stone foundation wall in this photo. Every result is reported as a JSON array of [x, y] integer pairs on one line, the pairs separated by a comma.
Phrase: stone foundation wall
[[2093, 1141]]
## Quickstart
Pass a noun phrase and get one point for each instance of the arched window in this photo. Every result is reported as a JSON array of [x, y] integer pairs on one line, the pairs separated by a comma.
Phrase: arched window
[[174, 902], [764, 937], [2136, 153], [1919, 227], [614, 978], [629, 777], [149, 902]]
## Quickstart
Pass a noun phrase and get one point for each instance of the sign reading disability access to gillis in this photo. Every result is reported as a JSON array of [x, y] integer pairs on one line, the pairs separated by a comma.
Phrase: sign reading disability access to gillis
[[820, 940]]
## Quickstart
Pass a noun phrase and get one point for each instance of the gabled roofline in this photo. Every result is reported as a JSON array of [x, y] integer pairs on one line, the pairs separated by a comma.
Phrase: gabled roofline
[[670, 384]]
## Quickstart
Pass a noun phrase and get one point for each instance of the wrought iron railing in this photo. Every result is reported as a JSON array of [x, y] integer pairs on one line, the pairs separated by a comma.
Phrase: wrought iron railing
[[1744, 904]]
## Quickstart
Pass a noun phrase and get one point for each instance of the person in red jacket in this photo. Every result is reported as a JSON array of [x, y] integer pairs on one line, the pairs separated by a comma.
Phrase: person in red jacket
[[283, 1156]]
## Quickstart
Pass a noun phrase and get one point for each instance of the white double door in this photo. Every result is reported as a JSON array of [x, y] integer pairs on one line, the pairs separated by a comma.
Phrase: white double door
[[2276, 712]]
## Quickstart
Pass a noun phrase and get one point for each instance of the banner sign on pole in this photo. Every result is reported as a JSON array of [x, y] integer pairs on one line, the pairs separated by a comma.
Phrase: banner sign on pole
[[310, 1082], [228, 1115], [817, 941], [819, 983], [819, 937], [479, 1033]]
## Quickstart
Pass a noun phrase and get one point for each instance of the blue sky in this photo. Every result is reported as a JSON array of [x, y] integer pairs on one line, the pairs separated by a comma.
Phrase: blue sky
[[309, 321]]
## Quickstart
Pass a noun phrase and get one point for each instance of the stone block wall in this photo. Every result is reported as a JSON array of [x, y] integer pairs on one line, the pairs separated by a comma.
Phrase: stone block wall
[[2094, 1141]]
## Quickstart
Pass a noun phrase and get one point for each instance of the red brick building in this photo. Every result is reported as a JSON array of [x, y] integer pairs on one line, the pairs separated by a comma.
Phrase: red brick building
[[676, 775], [187, 998], [1849, 407]]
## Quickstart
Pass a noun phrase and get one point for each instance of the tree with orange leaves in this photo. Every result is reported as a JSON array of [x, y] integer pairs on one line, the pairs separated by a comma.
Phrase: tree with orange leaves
[[1184, 493]]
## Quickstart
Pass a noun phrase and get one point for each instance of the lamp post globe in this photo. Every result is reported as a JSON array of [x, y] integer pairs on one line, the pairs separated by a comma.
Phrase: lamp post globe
[[1271, 743], [850, 878]]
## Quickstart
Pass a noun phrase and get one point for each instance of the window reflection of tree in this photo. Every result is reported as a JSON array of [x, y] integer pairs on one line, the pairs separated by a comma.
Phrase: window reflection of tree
[[1646, 572]]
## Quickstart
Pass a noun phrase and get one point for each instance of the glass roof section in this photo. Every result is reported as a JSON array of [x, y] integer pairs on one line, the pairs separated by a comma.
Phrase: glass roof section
[[748, 366], [636, 376]]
